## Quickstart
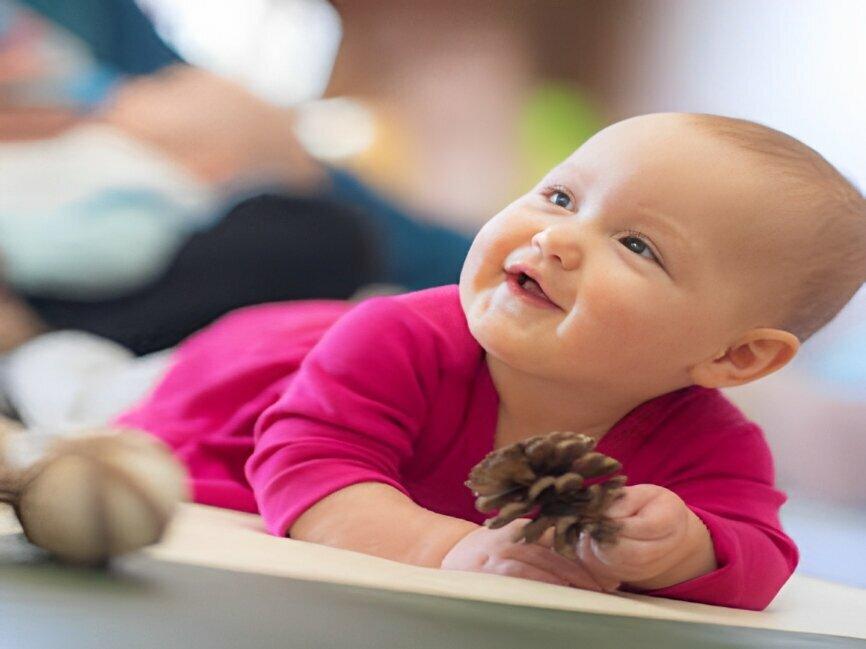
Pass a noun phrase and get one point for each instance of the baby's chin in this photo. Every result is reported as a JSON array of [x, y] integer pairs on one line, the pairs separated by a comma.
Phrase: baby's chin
[[526, 346]]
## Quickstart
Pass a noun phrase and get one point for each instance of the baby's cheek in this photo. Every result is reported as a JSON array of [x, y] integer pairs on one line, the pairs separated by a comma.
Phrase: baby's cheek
[[488, 248], [611, 306], [626, 325]]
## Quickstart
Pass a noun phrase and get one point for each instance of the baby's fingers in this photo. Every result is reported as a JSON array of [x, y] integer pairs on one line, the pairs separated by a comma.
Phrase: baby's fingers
[[625, 560], [658, 518], [602, 579], [548, 560], [602, 567], [646, 526], [515, 568], [633, 499]]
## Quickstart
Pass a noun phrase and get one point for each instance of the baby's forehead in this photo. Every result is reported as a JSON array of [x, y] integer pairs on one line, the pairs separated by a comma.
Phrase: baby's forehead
[[673, 168], [681, 191], [698, 204]]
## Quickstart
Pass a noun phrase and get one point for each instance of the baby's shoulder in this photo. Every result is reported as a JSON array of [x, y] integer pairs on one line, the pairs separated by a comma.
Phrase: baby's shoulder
[[704, 423], [708, 410], [438, 317], [437, 308], [422, 329]]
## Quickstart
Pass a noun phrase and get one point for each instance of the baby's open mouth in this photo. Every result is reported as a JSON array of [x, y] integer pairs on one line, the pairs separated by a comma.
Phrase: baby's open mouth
[[526, 287], [530, 285]]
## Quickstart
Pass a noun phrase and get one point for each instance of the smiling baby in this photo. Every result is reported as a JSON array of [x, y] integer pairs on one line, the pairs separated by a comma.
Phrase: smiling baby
[[671, 255]]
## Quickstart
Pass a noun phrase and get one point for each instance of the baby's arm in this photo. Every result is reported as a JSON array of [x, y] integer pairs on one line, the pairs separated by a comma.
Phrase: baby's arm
[[721, 502], [377, 519], [329, 454]]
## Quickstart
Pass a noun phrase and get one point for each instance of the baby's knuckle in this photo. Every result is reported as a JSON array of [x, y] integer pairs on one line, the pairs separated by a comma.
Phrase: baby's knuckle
[[511, 552], [660, 525], [506, 567], [670, 499], [639, 555], [645, 489], [489, 563]]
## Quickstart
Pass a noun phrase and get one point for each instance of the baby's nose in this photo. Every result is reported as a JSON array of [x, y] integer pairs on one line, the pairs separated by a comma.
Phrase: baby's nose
[[559, 244]]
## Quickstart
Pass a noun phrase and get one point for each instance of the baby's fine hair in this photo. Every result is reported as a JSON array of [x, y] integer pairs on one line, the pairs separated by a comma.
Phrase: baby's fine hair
[[832, 267]]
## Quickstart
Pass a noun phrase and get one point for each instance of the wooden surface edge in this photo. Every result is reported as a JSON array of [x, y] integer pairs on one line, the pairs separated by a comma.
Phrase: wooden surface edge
[[230, 540]]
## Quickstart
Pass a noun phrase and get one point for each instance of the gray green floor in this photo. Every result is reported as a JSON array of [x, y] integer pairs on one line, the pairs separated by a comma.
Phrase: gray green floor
[[144, 603]]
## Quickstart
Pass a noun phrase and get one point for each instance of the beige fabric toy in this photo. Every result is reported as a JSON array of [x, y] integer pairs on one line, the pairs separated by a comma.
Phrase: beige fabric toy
[[94, 497]]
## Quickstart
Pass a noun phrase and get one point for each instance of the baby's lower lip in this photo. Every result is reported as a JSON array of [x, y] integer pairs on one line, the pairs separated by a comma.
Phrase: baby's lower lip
[[512, 279]]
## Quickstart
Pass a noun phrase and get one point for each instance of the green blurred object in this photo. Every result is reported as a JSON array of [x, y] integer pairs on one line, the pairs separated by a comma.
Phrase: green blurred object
[[556, 119]]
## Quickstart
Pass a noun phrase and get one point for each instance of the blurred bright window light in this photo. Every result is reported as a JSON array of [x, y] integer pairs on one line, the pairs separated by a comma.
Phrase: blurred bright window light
[[283, 50], [335, 129]]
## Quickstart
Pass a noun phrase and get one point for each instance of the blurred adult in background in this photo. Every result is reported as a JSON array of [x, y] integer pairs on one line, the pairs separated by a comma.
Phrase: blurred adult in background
[[452, 93], [140, 269], [48, 75], [116, 32]]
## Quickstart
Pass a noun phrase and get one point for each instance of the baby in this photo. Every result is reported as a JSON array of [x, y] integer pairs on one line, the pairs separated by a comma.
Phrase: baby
[[671, 255]]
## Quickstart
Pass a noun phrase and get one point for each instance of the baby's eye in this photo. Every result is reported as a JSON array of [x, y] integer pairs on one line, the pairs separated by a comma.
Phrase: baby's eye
[[560, 198], [639, 246]]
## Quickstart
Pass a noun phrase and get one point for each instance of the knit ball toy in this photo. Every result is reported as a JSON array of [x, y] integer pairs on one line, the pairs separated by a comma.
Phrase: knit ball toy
[[98, 496], [559, 477]]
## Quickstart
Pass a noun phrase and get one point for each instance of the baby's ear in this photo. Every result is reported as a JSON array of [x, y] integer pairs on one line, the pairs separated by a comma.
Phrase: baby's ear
[[757, 353]]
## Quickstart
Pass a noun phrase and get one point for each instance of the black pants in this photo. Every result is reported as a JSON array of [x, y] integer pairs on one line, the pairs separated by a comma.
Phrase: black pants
[[266, 249]]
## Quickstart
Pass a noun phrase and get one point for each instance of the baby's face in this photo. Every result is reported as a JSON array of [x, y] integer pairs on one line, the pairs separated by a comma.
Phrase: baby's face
[[627, 264]]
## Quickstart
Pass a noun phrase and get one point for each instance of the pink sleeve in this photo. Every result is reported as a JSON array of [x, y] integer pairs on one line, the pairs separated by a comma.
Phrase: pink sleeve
[[731, 491], [350, 415]]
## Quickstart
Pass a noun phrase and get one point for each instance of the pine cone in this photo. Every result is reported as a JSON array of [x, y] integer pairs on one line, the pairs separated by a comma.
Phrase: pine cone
[[547, 473]]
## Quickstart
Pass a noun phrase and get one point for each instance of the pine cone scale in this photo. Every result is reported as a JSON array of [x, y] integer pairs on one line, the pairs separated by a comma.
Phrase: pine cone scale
[[486, 504], [548, 474], [540, 485]]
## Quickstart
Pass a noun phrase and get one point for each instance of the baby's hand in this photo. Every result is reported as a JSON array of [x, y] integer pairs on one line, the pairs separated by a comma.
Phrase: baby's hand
[[486, 550], [661, 542]]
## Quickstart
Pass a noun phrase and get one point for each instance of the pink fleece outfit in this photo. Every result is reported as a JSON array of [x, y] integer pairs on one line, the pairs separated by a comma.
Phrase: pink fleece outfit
[[274, 407]]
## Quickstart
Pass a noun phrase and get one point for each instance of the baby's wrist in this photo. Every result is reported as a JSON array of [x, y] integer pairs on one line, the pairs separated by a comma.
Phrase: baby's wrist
[[703, 555], [424, 538], [437, 546]]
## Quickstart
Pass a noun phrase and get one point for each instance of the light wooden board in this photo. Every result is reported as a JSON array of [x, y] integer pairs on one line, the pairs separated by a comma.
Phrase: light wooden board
[[217, 538], [227, 539]]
